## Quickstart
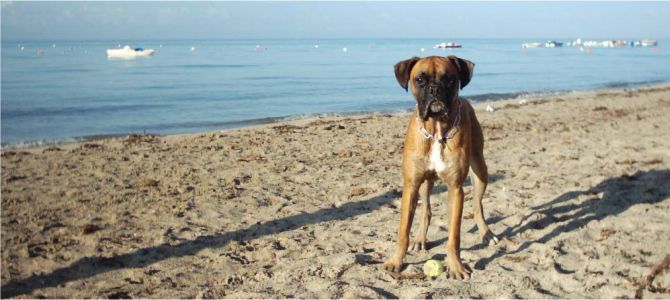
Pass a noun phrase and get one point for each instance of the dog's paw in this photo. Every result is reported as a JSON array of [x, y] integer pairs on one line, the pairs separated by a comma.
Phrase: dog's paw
[[457, 270], [392, 265], [489, 238], [419, 244]]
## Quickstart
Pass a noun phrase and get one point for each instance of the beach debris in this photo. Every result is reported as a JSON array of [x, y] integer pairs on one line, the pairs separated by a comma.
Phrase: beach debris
[[344, 153], [12, 178], [287, 128], [334, 126], [652, 161], [91, 146], [119, 295], [530, 283], [140, 138], [249, 158], [14, 153], [515, 258], [656, 270], [605, 233], [134, 280], [147, 182], [90, 228], [625, 162], [52, 149], [523, 101], [490, 108], [357, 191], [433, 268]]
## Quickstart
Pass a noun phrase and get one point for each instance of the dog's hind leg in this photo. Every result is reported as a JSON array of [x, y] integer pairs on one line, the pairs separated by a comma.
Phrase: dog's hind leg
[[480, 180], [419, 243]]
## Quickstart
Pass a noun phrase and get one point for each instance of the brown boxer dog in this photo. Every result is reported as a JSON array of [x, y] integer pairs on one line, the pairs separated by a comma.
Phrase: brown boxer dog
[[443, 140]]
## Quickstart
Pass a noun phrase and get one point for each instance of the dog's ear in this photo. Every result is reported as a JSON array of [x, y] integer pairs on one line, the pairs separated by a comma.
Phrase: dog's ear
[[403, 69], [464, 67]]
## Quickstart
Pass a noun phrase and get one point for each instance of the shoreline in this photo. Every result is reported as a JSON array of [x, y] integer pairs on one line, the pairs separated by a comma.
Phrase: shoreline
[[38, 145]]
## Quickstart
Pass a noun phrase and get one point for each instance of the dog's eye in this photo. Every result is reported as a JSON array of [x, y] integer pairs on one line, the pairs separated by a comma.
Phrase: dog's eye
[[419, 80]]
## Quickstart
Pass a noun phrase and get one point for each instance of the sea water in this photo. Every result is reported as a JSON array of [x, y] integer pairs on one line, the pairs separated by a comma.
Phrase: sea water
[[63, 90]]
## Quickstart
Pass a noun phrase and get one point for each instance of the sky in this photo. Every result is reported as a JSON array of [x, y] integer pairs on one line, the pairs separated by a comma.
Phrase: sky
[[265, 20]]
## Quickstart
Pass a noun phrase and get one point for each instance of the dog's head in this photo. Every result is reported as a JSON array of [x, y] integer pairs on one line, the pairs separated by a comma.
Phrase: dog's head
[[434, 81]]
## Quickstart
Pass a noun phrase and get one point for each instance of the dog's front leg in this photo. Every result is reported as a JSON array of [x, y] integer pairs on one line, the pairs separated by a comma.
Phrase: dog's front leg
[[407, 208], [456, 268]]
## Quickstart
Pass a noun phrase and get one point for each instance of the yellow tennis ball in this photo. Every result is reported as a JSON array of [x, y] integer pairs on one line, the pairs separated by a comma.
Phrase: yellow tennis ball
[[433, 268]]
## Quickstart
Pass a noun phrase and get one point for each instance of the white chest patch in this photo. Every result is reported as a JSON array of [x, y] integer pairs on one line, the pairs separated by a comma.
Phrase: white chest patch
[[436, 163]]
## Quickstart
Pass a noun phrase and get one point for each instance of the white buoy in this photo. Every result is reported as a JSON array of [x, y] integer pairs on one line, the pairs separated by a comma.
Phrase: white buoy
[[423, 49], [345, 49], [490, 108], [316, 46], [192, 48]]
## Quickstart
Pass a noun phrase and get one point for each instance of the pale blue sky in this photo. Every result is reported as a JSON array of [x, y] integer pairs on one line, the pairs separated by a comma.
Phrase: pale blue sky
[[259, 20]]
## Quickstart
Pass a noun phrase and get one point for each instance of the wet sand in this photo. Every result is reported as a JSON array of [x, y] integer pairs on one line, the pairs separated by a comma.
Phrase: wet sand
[[579, 194]]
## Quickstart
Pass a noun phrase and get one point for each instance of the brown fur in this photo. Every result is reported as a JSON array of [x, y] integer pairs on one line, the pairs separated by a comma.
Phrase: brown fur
[[464, 150]]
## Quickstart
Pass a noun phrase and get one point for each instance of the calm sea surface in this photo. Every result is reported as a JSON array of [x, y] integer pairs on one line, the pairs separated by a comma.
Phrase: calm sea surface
[[74, 91]]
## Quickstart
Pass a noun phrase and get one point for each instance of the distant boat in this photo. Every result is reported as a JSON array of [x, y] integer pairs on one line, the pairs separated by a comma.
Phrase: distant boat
[[575, 43], [531, 45], [127, 52], [645, 43], [553, 44], [447, 45]]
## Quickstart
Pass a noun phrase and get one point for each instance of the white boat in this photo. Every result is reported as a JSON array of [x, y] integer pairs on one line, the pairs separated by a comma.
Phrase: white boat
[[127, 52], [648, 43], [447, 45], [553, 44], [645, 43], [531, 45]]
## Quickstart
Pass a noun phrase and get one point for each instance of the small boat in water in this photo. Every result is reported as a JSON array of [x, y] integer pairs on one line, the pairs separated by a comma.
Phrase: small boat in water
[[531, 45], [127, 52], [447, 45], [553, 44], [645, 43]]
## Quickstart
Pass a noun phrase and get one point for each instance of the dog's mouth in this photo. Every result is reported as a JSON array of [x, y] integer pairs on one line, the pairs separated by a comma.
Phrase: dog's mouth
[[435, 108]]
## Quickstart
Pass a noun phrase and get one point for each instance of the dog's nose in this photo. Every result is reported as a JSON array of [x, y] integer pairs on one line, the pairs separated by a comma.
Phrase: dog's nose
[[434, 90]]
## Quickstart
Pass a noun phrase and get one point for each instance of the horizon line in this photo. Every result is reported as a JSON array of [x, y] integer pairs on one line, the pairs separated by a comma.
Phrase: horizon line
[[3, 40]]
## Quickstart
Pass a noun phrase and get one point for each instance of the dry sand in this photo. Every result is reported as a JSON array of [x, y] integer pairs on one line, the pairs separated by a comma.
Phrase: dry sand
[[579, 195]]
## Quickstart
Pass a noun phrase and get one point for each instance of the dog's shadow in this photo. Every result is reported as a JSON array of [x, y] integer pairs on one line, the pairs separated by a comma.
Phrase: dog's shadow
[[618, 194]]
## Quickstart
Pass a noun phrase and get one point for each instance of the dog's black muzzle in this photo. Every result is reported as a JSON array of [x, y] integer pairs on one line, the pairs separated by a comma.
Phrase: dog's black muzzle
[[434, 102]]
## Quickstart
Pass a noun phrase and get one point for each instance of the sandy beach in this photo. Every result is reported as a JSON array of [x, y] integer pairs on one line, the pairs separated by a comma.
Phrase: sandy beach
[[579, 195]]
